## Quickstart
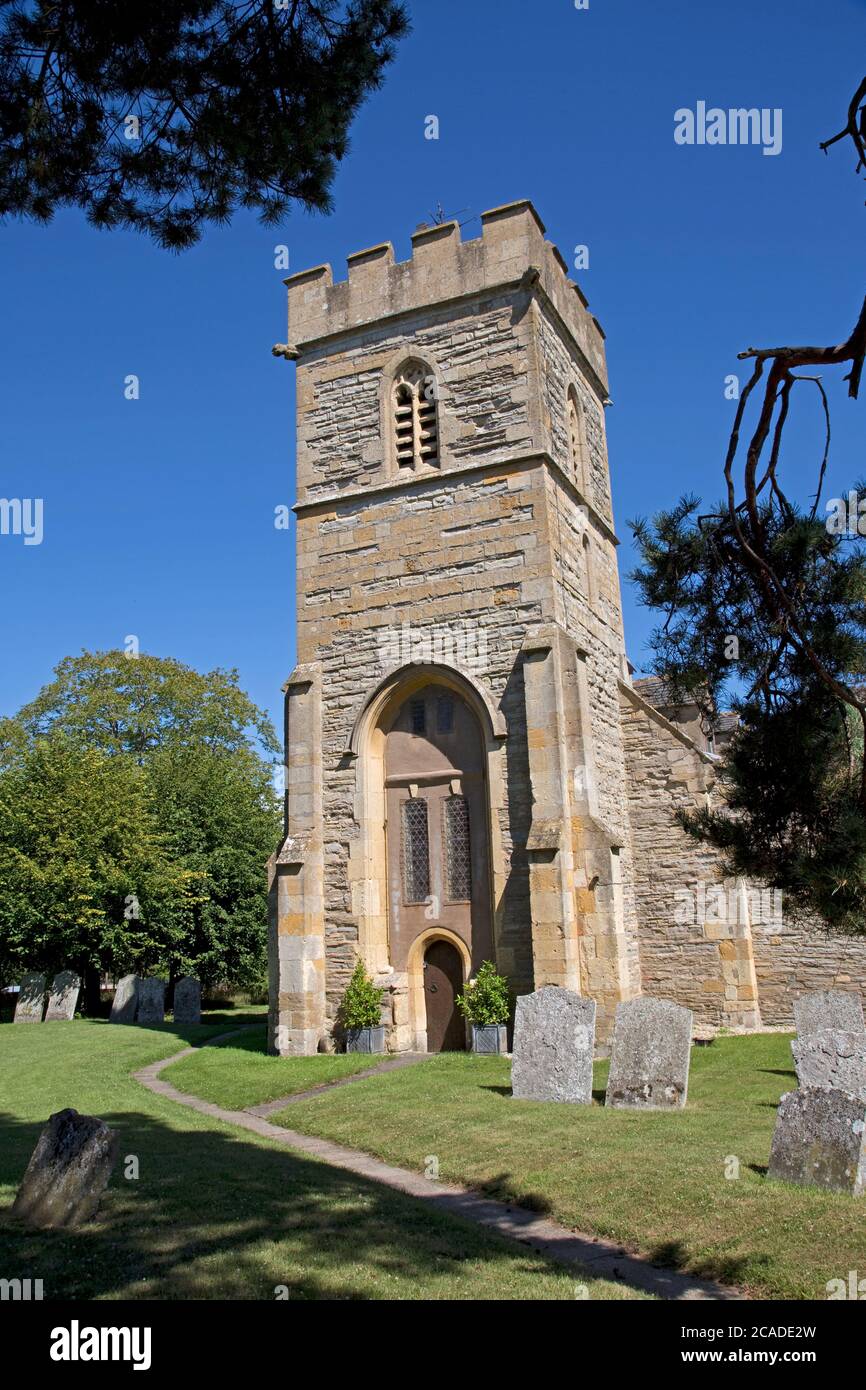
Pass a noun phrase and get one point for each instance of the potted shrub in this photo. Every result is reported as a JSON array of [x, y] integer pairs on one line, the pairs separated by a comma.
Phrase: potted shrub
[[486, 1004], [361, 1012]]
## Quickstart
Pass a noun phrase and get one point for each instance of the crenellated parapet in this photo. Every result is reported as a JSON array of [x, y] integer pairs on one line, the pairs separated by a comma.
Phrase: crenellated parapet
[[511, 251]]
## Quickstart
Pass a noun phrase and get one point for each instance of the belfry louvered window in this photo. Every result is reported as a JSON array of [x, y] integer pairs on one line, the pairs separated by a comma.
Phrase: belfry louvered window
[[415, 850], [416, 426], [458, 859]]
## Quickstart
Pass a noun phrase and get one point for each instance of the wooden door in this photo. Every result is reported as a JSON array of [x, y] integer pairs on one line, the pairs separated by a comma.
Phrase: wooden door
[[443, 981]]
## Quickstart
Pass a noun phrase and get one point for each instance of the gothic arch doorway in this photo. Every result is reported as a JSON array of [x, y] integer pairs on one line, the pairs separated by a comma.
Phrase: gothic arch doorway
[[437, 844], [443, 981]]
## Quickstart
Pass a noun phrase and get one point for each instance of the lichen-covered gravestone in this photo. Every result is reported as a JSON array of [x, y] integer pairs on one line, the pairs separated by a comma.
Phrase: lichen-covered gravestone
[[831, 1061], [649, 1064], [829, 1008], [819, 1141], [151, 1001], [187, 1000], [554, 1036], [125, 1002], [68, 1171], [30, 1004], [63, 998]]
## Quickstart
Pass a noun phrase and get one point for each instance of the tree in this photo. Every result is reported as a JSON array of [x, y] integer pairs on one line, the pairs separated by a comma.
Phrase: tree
[[165, 116], [86, 878], [147, 782], [765, 603]]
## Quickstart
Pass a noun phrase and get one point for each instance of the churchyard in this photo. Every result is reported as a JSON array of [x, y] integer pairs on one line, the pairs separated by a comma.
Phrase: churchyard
[[687, 1188], [198, 1208], [213, 1213]]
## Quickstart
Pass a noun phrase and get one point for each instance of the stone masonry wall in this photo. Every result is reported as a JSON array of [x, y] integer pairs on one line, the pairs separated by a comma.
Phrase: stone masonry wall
[[454, 557], [590, 611], [481, 382], [704, 965], [796, 958]]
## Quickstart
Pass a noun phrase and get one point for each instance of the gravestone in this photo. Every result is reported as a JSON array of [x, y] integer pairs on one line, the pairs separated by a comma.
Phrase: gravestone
[[187, 1000], [68, 1171], [829, 1008], [151, 1001], [831, 1061], [819, 1141], [63, 998], [649, 1064], [125, 1001], [31, 1000], [554, 1036]]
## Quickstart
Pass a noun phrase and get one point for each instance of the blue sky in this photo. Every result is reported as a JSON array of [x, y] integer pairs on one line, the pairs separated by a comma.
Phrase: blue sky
[[159, 512]]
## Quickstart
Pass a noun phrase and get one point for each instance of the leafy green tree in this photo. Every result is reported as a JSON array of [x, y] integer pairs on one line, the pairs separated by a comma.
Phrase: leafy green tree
[[86, 878], [164, 117], [765, 608], [187, 818]]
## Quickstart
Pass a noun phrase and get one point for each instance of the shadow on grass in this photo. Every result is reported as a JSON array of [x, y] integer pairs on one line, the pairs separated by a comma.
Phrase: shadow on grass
[[725, 1269], [215, 1216], [249, 1040], [777, 1071], [502, 1188]]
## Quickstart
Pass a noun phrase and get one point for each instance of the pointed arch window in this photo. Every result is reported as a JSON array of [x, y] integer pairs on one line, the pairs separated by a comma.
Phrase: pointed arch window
[[415, 417], [576, 439]]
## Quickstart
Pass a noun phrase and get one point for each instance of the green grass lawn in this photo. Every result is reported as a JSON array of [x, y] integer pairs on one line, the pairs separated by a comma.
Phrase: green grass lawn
[[237, 1073], [655, 1182], [218, 1213]]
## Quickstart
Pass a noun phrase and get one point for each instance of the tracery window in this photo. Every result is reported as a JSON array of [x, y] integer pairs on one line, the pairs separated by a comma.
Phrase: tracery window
[[415, 850], [416, 424], [458, 858]]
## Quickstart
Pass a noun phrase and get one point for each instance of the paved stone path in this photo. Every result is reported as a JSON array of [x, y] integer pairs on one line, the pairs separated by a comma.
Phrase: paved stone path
[[585, 1253]]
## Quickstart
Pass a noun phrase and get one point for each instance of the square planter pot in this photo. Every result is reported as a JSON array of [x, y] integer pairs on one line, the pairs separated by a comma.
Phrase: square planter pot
[[365, 1039], [489, 1038]]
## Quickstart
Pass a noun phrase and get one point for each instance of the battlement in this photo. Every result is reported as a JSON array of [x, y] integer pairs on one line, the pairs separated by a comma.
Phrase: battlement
[[511, 249]]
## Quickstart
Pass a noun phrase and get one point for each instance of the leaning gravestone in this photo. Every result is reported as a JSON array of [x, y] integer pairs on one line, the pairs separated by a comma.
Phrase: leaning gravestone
[[554, 1036], [649, 1064], [63, 998], [831, 1061], [187, 1000], [819, 1141], [829, 1008], [151, 1001], [125, 1001], [68, 1171], [31, 1000]]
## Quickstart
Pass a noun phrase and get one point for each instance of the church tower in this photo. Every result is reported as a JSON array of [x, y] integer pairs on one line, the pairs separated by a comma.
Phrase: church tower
[[456, 779]]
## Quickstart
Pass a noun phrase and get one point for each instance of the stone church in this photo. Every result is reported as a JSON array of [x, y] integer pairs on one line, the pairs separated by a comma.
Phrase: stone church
[[471, 773]]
